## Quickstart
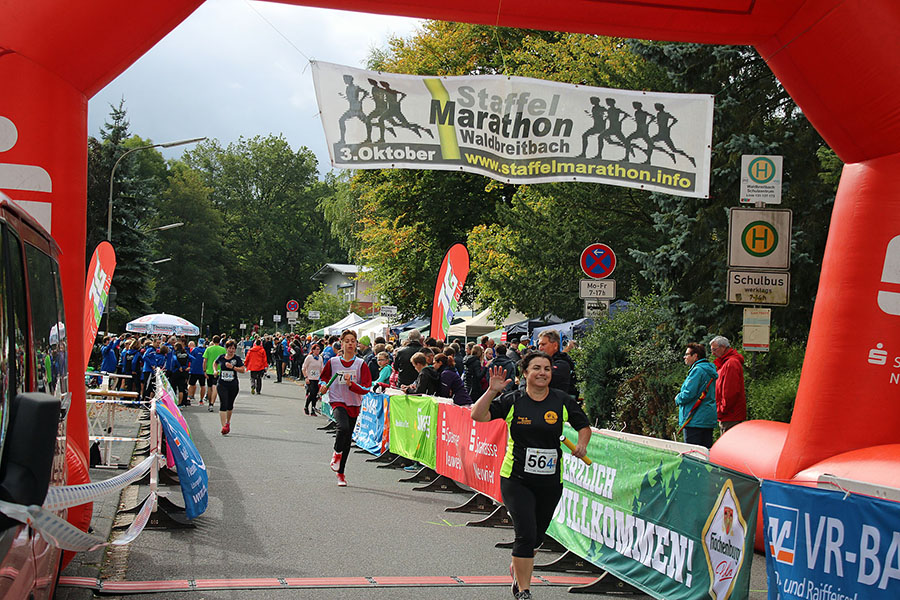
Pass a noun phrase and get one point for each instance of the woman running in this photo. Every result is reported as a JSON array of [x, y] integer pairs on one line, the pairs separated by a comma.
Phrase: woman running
[[228, 366], [530, 478], [351, 380]]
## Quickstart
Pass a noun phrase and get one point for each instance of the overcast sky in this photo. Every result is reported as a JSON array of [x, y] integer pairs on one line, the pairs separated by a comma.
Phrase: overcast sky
[[225, 73]]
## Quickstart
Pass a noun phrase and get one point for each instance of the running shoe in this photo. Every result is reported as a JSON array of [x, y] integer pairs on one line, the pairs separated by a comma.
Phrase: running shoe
[[252, 392], [224, 429], [306, 411], [336, 462], [227, 428], [514, 588], [524, 595], [209, 408], [342, 482], [412, 468]]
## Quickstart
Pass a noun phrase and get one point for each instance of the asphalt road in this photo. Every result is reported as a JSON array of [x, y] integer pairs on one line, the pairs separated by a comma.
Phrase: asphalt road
[[275, 511]]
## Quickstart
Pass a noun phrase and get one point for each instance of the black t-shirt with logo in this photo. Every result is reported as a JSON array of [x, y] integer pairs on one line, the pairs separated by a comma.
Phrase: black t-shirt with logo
[[533, 451], [229, 376]]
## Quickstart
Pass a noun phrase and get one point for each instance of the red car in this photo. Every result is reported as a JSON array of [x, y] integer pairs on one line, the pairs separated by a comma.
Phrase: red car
[[33, 397]]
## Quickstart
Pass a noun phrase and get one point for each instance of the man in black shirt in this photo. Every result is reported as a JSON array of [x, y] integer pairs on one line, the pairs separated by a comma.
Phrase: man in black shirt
[[563, 367], [403, 359]]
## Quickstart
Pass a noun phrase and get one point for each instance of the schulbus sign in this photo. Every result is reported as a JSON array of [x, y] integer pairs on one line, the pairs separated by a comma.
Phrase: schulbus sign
[[516, 129], [448, 289]]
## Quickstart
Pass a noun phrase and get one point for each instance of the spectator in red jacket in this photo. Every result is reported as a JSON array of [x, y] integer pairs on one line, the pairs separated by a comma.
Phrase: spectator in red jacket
[[731, 399], [256, 362]]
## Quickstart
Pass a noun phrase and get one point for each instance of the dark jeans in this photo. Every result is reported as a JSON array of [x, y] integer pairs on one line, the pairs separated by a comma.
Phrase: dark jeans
[[312, 394], [345, 424], [699, 436], [256, 378], [279, 370]]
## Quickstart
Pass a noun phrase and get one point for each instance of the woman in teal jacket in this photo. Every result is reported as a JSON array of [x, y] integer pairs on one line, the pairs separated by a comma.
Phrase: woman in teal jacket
[[697, 399]]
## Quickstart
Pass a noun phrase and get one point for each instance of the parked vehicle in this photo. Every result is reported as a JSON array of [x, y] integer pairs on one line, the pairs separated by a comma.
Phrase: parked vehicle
[[33, 397]]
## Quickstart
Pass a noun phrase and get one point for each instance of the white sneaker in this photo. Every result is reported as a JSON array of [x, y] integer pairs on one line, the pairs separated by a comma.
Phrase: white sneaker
[[336, 461]]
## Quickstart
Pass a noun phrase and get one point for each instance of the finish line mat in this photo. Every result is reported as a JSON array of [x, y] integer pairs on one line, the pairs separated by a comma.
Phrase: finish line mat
[[288, 583]]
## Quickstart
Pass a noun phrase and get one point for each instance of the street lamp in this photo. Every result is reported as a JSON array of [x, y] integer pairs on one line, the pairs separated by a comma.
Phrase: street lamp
[[113, 174], [163, 227]]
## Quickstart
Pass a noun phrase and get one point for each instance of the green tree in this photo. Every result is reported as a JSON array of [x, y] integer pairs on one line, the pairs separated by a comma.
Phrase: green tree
[[139, 180], [753, 115], [274, 234], [195, 274], [331, 309]]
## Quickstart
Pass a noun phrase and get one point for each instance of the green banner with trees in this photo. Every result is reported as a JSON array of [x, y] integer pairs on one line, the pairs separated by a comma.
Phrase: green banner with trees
[[412, 434], [672, 525]]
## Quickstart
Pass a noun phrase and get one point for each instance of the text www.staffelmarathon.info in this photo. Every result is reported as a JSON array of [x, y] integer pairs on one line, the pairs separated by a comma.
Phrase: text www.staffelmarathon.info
[[583, 169], [555, 169]]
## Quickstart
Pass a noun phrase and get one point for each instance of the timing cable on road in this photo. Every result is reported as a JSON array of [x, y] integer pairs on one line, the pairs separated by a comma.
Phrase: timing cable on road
[[294, 583]]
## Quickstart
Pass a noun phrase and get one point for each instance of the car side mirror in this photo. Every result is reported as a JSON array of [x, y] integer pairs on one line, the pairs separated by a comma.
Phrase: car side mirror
[[25, 469]]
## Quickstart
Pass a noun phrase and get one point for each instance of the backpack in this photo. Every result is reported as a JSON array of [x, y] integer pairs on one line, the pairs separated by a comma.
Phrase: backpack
[[183, 359]]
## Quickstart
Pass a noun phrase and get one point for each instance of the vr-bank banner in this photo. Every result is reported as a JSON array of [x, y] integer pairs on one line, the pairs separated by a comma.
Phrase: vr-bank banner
[[469, 452], [412, 434], [516, 129], [674, 526], [821, 545], [371, 431]]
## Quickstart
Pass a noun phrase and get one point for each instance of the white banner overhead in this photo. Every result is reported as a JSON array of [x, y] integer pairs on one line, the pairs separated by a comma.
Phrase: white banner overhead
[[516, 129]]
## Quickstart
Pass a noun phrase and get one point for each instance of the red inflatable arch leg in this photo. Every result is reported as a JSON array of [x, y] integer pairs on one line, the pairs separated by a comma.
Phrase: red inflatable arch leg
[[850, 382], [48, 146]]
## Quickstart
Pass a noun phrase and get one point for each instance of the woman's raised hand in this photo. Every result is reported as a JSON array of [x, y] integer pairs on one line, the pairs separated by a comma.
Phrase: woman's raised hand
[[498, 379]]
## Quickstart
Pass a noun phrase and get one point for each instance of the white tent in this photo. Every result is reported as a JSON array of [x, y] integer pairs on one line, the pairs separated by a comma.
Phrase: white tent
[[346, 323], [482, 324], [373, 328]]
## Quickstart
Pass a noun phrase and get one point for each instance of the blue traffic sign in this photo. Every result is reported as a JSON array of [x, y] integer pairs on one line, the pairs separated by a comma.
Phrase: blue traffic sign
[[598, 261]]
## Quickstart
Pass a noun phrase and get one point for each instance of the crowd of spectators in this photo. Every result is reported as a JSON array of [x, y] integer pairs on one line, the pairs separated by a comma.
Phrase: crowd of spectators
[[419, 365]]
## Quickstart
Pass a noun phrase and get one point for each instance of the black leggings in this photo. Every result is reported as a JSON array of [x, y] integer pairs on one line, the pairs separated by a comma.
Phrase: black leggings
[[312, 393], [345, 425], [227, 393], [531, 509]]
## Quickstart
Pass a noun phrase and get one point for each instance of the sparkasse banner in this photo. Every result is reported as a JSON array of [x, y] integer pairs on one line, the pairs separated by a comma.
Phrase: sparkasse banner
[[450, 281], [516, 129]]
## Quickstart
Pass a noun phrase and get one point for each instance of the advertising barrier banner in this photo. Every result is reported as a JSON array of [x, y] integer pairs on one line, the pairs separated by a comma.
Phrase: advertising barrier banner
[[826, 545], [674, 526], [188, 462], [516, 129], [412, 420], [469, 452], [371, 433]]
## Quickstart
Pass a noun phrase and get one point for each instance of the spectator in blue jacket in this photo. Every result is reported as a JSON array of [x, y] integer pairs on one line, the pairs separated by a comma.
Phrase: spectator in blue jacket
[[697, 399], [108, 352]]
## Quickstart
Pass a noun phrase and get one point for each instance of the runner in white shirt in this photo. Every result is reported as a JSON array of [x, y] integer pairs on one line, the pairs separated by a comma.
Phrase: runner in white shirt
[[312, 370]]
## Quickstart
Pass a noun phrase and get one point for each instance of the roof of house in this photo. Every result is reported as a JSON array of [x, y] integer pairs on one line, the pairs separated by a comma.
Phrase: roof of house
[[339, 268]]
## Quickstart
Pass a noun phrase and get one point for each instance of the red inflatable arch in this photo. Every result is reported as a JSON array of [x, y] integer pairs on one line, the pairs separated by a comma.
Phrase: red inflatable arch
[[837, 58]]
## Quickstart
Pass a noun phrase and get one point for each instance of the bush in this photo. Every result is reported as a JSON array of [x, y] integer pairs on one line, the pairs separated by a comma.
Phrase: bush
[[628, 365], [772, 399], [771, 380]]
